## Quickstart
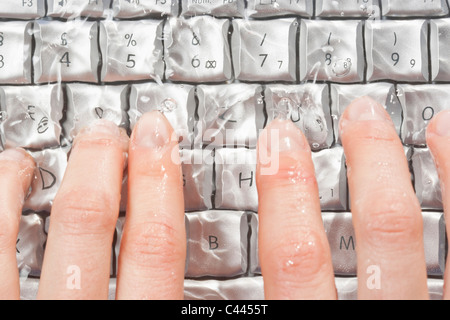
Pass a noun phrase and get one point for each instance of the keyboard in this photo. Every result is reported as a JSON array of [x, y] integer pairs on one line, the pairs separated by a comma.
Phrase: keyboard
[[218, 70]]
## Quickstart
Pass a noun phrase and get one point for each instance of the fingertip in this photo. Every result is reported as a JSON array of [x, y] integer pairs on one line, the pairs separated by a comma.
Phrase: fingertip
[[153, 130], [25, 162], [440, 125]]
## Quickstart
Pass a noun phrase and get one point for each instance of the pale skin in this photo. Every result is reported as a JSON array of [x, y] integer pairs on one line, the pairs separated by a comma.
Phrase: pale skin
[[294, 253]]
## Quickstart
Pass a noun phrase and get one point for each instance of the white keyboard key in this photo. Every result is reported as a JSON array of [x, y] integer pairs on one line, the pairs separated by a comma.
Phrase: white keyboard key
[[331, 50], [88, 103], [397, 50], [197, 166], [253, 258], [332, 178], [176, 102], [15, 39], [230, 115], [216, 8], [414, 8], [144, 8], [236, 179], [264, 50], [70, 9], [275, 8], [346, 288], [65, 51], [426, 179], [308, 107], [30, 244], [22, 9], [436, 289], [346, 9], [50, 167], [243, 288], [196, 49], [439, 46], [420, 103], [31, 116], [435, 242], [383, 93], [217, 243], [131, 50]]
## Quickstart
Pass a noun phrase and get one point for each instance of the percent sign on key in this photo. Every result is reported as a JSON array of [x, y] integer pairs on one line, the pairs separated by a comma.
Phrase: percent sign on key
[[131, 41]]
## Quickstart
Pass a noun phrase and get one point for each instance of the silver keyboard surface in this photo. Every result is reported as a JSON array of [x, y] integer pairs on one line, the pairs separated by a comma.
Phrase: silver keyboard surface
[[212, 66]]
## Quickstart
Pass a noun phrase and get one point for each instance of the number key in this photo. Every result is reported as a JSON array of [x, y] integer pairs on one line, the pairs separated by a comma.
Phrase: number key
[[131, 50], [65, 51], [264, 51], [15, 39], [397, 50]]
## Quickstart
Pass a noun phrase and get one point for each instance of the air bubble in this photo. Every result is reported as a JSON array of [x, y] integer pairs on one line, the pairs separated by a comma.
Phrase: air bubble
[[168, 105]]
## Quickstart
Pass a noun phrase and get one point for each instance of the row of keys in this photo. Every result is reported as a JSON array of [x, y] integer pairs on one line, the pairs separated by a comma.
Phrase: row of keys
[[244, 288], [197, 50], [227, 115], [123, 9], [225, 243]]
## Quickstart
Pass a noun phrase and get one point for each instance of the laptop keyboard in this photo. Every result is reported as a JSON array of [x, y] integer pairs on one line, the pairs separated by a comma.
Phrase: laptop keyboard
[[219, 70]]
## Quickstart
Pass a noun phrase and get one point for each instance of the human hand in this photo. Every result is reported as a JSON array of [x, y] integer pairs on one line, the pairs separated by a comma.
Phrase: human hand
[[294, 252]]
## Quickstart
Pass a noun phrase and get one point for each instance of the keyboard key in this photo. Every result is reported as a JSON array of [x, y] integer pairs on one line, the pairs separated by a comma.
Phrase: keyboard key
[[426, 179], [50, 167], [439, 46], [31, 116], [331, 177], [308, 106], [383, 93], [414, 8], [70, 9], [397, 50], [30, 244], [420, 103], [331, 50], [434, 242], [65, 51], [197, 166], [118, 236], [229, 115], [22, 9], [15, 38], [88, 103], [346, 288], [216, 8], [125, 9], [217, 243], [346, 9], [235, 179], [244, 288], [131, 50], [196, 49], [177, 102], [263, 50], [275, 8]]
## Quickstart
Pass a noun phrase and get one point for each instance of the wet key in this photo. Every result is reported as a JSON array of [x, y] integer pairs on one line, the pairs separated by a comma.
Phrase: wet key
[[87, 103], [346, 9], [426, 180], [65, 51], [31, 116], [275, 8], [236, 179], [307, 106], [126, 9], [217, 243], [230, 115], [197, 50], [50, 167], [22, 9], [70, 9], [264, 50], [331, 50], [131, 50], [414, 8], [216, 8], [30, 244], [176, 102], [15, 39]]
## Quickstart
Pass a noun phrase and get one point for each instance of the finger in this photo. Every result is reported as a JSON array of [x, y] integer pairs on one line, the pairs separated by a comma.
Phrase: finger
[[84, 214], [16, 173], [438, 140], [153, 249], [386, 213], [294, 252]]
